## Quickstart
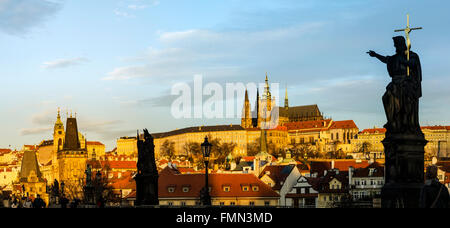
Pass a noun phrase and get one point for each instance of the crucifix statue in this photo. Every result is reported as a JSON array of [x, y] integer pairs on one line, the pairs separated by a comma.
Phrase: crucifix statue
[[401, 100], [408, 41], [404, 140]]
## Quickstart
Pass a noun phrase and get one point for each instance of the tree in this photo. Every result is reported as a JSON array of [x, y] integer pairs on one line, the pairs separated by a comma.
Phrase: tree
[[194, 153], [338, 154], [304, 151], [253, 148], [168, 149], [365, 149], [219, 151]]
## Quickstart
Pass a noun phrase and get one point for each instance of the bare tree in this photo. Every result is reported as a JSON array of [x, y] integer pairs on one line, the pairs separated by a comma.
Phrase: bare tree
[[168, 149]]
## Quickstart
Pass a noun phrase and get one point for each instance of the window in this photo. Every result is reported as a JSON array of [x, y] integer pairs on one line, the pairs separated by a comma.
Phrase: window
[[183, 203], [171, 189], [245, 188], [170, 203], [226, 188], [222, 203], [185, 189], [252, 203], [255, 188], [232, 203], [266, 203]]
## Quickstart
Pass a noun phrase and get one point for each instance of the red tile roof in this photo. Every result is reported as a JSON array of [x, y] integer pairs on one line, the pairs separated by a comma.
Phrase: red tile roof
[[308, 125], [196, 182], [94, 143], [435, 127], [344, 124], [342, 164], [383, 130], [185, 170], [120, 164], [279, 128], [5, 151], [125, 182], [374, 131]]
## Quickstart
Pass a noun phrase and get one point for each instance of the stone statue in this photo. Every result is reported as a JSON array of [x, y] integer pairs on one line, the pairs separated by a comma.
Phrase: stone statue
[[147, 176], [401, 100], [404, 142], [88, 176]]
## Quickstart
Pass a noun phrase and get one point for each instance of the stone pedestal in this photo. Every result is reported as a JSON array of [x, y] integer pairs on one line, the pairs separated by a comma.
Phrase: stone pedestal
[[89, 195], [404, 170], [146, 189]]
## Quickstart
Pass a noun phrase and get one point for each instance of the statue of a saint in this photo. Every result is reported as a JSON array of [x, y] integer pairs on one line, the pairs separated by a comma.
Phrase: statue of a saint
[[147, 176], [401, 100], [88, 176]]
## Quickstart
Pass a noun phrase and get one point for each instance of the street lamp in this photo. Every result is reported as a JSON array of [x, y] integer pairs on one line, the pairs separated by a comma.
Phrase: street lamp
[[206, 150], [62, 187]]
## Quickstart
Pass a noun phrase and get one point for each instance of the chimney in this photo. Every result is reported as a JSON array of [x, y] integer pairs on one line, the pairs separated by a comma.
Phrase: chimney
[[350, 175], [332, 164]]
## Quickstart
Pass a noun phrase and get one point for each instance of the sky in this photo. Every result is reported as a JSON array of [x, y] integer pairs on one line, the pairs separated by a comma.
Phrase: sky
[[114, 62]]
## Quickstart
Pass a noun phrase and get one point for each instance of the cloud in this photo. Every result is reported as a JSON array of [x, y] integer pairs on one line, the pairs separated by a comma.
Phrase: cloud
[[19, 16], [217, 54], [35, 131], [134, 5], [123, 13], [64, 63]]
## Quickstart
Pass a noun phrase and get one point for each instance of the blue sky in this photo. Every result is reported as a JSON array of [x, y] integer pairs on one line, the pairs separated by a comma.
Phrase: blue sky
[[115, 61]]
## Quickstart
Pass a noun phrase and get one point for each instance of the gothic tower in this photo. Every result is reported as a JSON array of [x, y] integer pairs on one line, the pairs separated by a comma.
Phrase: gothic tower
[[58, 142], [58, 133], [267, 96], [255, 116], [266, 103], [286, 100], [246, 121], [72, 158]]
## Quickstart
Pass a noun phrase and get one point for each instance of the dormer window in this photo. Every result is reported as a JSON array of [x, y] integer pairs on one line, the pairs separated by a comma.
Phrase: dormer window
[[186, 189], [255, 188], [171, 189], [226, 188], [245, 188]]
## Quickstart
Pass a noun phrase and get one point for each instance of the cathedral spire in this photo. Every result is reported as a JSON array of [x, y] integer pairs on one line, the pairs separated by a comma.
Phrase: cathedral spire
[[266, 94], [58, 124], [286, 99]]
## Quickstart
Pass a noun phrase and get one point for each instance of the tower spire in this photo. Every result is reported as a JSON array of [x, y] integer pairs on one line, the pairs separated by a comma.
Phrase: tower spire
[[286, 99]]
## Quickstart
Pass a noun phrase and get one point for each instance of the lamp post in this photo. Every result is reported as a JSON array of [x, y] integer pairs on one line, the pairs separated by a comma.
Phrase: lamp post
[[206, 150]]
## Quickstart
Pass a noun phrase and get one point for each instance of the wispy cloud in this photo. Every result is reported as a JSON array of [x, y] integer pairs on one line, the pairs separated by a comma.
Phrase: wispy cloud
[[63, 63], [19, 16], [131, 6], [218, 54], [35, 131]]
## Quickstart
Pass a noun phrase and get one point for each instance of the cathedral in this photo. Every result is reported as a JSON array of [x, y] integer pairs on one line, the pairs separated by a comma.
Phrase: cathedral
[[266, 111]]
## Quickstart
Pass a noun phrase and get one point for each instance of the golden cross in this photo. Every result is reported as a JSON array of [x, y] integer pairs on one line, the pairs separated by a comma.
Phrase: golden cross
[[408, 41]]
